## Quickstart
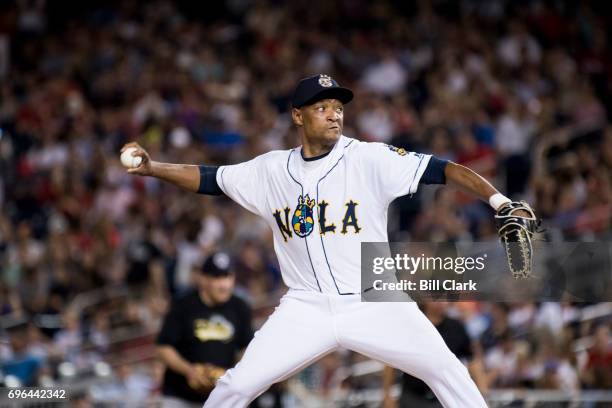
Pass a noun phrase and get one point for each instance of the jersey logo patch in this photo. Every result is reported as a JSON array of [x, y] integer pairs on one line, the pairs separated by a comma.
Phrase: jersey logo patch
[[302, 219], [399, 150]]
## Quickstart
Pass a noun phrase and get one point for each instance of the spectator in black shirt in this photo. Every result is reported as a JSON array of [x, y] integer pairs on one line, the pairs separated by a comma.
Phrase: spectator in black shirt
[[144, 259], [203, 334], [415, 393]]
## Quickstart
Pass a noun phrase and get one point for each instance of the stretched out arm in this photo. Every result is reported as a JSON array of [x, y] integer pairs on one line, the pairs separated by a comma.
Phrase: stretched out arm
[[197, 179], [468, 181], [453, 174]]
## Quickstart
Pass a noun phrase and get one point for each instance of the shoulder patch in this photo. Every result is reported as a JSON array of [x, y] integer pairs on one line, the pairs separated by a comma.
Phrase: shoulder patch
[[399, 150]]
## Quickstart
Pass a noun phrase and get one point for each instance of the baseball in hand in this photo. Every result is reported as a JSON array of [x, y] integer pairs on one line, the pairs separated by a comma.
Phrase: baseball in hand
[[130, 161]]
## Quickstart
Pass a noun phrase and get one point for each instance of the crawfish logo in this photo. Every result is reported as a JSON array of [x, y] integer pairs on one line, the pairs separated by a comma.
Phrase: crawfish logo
[[302, 217], [401, 151]]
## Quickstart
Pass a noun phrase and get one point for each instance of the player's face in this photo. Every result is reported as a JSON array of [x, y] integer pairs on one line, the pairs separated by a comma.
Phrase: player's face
[[322, 121], [218, 289]]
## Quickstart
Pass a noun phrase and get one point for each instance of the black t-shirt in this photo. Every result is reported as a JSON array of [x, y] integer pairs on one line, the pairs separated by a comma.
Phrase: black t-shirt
[[454, 334], [139, 254], [203, 334]]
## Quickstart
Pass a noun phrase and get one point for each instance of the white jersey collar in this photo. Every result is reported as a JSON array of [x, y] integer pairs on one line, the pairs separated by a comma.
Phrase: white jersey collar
[[307, 172]]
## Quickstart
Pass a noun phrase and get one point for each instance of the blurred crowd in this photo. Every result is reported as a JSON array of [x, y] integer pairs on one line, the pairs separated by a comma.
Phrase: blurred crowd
[[90, 256]]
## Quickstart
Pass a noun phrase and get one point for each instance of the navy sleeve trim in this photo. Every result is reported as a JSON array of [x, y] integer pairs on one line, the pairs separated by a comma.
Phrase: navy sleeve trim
[[434, 173], [208, 181]]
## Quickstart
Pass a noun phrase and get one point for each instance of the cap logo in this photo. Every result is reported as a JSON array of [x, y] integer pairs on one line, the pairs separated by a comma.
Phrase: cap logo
[[325, 80], [221, 260]]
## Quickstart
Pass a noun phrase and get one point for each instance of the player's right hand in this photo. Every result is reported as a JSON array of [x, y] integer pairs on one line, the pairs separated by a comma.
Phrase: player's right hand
[[145, 166]]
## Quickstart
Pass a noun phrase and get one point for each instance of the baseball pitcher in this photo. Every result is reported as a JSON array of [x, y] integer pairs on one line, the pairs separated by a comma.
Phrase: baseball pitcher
[[322, 200]]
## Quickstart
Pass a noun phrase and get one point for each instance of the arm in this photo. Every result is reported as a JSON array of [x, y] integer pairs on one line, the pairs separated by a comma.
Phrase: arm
[[186, 176], [169, 336], [388, 378], [477, 371], [471, 182], [197, 179], [175, 362], [446, 172], [468, 181]]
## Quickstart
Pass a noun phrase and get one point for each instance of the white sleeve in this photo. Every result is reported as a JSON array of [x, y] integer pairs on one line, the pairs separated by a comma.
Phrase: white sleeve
[[245, 184], [392, 171]]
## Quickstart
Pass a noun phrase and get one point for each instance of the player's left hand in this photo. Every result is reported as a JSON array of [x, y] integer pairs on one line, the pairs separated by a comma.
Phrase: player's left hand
[[516, 225], [523, 213]]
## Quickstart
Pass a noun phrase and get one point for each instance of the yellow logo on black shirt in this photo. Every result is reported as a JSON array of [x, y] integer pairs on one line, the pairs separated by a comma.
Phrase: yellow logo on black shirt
[[217, 328]]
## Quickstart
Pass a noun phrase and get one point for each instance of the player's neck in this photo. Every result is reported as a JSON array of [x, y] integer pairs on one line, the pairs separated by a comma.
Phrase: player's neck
[[314, 149]]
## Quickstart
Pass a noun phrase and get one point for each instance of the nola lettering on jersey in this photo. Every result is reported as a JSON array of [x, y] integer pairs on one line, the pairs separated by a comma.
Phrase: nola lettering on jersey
[[302, 221]]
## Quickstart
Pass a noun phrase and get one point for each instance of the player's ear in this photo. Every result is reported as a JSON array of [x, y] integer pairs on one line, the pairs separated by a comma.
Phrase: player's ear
[[298, 119]]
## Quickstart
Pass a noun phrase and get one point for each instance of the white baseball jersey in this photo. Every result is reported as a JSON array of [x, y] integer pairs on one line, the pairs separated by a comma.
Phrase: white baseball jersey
[[320, 211]]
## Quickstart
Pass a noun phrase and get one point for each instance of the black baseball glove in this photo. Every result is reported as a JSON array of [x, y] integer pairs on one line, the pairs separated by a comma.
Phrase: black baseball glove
[[516, 223]]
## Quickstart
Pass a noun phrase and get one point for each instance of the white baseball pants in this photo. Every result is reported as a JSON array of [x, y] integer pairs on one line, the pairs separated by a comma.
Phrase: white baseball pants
[[308, 325]]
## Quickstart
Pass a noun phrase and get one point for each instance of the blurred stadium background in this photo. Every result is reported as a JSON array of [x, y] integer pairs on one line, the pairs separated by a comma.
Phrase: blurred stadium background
[[90, 257]]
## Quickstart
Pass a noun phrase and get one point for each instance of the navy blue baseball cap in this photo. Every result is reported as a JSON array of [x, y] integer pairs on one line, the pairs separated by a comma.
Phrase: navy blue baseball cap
[[217, 264], [314, 88]]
